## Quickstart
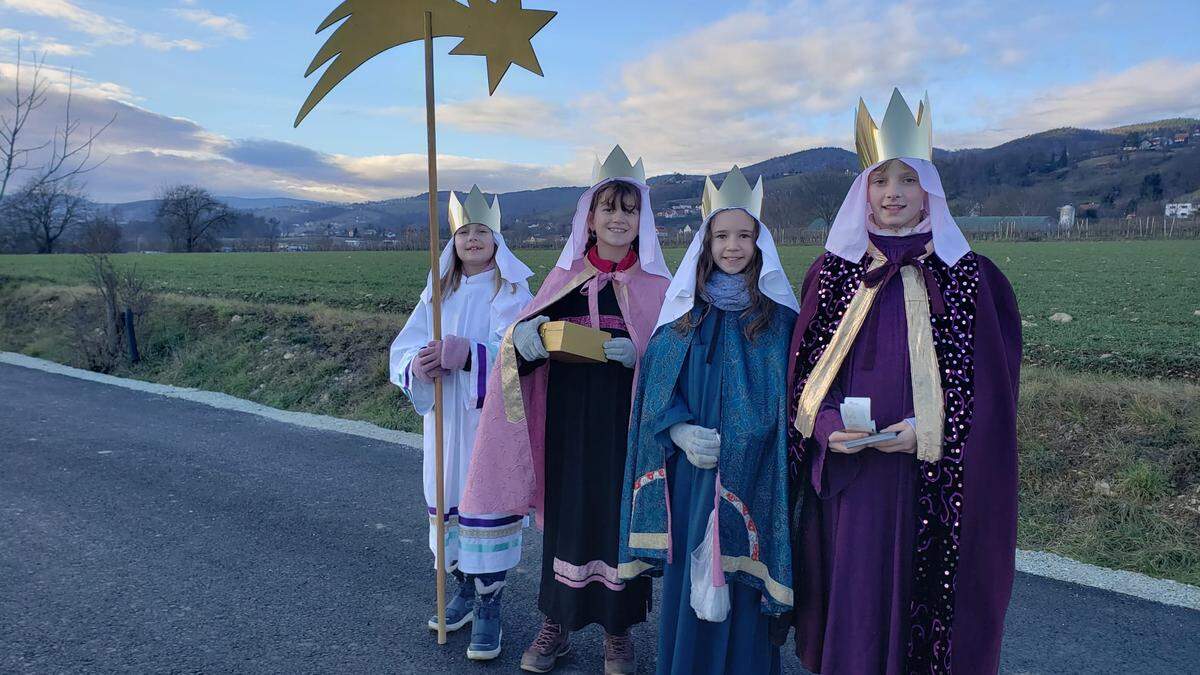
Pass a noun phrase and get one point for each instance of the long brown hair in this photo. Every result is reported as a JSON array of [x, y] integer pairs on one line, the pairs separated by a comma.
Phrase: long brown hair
[[758, 314], [616, 194]]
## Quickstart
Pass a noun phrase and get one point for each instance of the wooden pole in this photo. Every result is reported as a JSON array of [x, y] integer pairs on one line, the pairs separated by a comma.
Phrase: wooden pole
[[436, 305]]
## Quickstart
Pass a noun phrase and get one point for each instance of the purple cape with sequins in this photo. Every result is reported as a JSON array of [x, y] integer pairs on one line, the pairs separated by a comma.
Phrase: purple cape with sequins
[[902, 566]]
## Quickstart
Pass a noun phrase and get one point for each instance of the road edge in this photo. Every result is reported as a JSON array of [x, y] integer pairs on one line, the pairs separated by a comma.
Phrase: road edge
[[1037, 563], [222, 401]]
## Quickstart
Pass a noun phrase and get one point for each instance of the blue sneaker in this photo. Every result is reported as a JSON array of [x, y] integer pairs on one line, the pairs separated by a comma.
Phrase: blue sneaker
[[460, 609], [486, 631]]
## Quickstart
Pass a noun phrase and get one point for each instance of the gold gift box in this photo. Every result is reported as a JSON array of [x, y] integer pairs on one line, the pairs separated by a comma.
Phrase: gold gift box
[[573, 343]]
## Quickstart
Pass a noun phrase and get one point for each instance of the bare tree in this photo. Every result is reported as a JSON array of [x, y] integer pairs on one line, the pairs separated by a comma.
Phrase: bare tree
[[45, 210], [801, 199], [23, 103], [273, 231], [191, 217], [1016, 201], [823, 193], [70, 151], [100, 235], [783, 212]]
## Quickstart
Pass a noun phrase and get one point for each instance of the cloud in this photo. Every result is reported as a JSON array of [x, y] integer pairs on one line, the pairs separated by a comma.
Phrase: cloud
[[227, 25], [73, 15], [525, 116], [59, 79], [755, 84], [389, 174], [161, 44], [501, 114], [38, 44], [144, 150], [1151, 90], [102, 28], [1010, 56], [749, 86]]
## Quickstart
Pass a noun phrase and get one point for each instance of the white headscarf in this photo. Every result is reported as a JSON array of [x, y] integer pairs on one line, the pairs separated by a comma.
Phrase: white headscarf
[[650, 255], [772, 280], [848, 235], [511, 268]]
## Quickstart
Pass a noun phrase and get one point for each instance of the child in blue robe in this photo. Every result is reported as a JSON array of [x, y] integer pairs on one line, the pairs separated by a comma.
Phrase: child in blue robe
[[709, 427]]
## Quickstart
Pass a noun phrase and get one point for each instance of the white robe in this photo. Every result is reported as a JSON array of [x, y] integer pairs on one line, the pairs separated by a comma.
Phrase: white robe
[[476, 312]]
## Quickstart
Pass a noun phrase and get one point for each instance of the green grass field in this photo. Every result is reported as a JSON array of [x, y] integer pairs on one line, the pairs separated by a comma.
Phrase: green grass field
[[1133, 303]]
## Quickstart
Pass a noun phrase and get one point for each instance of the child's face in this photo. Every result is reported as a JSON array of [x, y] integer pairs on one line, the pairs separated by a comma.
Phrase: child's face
[[895, 194], [732, 240], [615, 223], [475, 246]]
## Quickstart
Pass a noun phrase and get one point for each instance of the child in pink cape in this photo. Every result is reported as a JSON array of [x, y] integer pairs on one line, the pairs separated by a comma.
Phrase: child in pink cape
[[553, 435]]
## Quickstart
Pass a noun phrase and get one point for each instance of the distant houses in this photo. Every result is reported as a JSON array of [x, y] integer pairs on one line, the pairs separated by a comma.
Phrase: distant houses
[[1180, 210], [678, 211], [1161, 139]]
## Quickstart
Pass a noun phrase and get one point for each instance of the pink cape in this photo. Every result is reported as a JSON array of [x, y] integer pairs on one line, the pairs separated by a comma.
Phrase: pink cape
[[508, 463]]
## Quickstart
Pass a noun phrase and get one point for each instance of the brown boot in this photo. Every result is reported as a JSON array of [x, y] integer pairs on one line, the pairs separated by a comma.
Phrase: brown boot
[[619, 658], [551, 642]]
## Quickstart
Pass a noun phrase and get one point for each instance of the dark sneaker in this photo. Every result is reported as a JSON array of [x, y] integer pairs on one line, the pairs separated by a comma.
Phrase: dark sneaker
[[486, 632], [619, 658], [459, 612], [551, 642]]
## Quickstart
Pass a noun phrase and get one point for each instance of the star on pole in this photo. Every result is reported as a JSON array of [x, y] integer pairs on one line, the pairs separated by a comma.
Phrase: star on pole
[[507, 38], [500, 31]]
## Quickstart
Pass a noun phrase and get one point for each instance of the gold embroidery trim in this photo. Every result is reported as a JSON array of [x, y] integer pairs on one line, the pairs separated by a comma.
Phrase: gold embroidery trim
[[778, 592], [510, 378], [655, 540], [630, 570]]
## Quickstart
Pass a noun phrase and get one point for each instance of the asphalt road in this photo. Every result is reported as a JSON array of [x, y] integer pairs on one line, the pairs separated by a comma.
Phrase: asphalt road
[[140, 533]]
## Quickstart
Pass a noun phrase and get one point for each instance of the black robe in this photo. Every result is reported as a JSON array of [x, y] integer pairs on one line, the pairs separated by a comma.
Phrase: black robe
[[587, 429]]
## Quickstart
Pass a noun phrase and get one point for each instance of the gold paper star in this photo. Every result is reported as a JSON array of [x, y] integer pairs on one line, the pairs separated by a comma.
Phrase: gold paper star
[[502, 32], [499, 31]]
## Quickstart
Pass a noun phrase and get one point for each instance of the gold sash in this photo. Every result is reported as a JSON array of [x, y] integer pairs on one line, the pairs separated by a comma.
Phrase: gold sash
[[922, 359]]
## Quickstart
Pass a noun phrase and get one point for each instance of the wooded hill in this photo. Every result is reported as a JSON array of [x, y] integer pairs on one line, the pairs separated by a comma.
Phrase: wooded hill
[[1105, 173]]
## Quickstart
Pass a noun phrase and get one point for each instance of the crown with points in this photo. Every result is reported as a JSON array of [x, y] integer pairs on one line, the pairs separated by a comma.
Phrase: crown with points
[[617, 166], [900, 135], [735, 193], [474, 210]]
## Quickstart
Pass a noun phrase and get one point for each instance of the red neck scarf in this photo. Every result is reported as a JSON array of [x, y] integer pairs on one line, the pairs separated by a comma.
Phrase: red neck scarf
[[609, 266]]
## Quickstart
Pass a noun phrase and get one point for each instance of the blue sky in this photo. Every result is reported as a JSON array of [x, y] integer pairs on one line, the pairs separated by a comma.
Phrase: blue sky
[[205, 91]]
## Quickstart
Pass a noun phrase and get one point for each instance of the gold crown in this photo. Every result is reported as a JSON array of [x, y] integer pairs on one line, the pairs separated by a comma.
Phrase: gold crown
[[474, 210], [617, 166], [735, 193], [901, 134]]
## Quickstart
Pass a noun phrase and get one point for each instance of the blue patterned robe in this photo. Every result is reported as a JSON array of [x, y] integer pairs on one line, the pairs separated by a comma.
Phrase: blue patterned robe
[[745, 399]]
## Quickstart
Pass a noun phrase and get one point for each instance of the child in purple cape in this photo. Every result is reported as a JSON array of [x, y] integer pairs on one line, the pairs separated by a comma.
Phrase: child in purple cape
[[904, 549]]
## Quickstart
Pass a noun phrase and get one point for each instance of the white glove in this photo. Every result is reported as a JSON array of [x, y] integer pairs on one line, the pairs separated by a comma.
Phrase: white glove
[[622, 351], [702, 446], [528, 340]]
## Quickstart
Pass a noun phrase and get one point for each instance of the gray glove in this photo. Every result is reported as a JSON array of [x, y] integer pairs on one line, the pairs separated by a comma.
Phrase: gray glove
[[622, 351], [528, 340], [701, 445]]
